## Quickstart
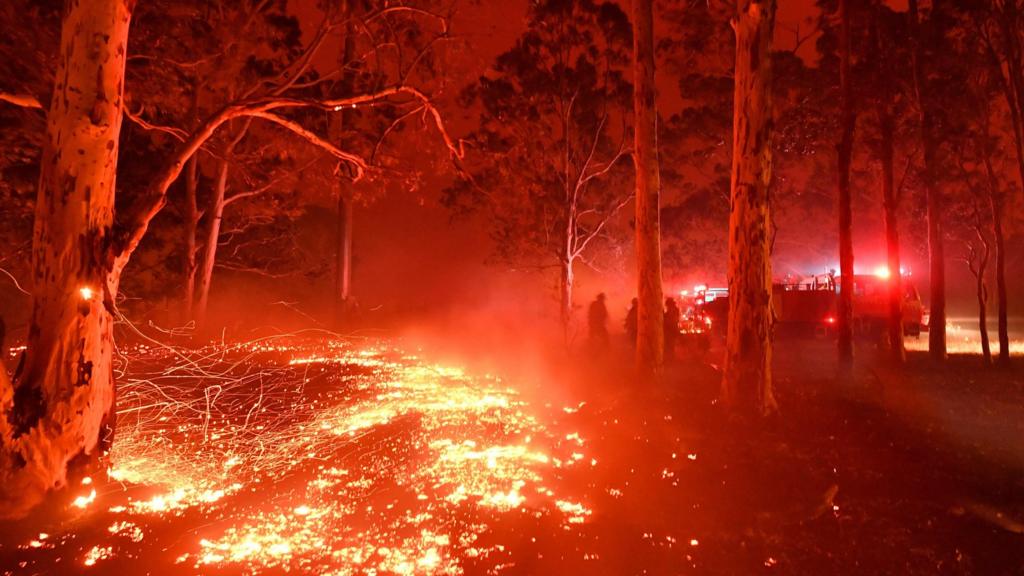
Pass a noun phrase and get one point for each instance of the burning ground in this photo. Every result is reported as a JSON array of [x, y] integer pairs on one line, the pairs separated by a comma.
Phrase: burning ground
[[310, 454], [325, 456]]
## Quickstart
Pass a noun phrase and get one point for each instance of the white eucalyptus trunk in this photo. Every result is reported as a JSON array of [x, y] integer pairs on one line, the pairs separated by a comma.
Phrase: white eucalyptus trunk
[[58, 414]]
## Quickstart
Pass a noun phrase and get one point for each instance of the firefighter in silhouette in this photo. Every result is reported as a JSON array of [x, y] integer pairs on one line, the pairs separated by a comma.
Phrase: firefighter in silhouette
[[630, 323], [671, 327], [597, 322]]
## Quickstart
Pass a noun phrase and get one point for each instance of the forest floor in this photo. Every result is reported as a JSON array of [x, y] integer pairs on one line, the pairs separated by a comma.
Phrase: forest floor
[[310, 455]]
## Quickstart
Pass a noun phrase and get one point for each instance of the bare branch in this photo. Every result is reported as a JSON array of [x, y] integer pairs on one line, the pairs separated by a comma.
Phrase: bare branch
[[391, 128], [267, 186], [588, 237], [23, 100], [137, 118], [131, 233], [16, 284], [295, 127]]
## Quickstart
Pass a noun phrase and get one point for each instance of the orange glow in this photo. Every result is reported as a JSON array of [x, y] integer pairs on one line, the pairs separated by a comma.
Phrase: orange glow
[[86, 293], [466, 443]]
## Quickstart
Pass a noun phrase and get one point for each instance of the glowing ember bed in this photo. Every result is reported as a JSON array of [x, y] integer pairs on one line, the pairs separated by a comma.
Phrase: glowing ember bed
[[324, 457]]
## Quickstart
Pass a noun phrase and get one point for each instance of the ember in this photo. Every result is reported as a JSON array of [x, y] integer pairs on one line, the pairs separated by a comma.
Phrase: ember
[[321, 454]]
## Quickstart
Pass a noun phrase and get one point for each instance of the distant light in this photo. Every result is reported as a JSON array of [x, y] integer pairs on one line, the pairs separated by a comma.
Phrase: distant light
[[882, 272], [684, 293], [830, 320], [86, 292], [700, 288]]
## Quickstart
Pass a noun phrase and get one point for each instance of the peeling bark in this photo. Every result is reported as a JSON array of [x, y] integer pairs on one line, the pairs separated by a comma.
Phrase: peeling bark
[[747, 377], [650, 330], [58, 415]]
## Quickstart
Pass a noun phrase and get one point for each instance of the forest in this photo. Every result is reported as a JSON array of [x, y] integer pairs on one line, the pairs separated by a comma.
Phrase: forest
[[511, 287]]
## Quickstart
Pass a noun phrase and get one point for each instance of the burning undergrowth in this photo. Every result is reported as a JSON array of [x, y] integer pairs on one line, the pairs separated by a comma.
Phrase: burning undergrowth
[[321, 455]]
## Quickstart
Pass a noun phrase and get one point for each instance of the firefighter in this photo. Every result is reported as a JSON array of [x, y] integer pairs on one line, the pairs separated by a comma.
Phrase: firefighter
[[597, 322], [671, 327], [630, 323]]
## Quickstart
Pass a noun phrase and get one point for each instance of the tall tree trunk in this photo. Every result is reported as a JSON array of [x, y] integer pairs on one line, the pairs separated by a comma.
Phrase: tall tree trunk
[[982, 294], [995, 198], [844, 310], [191, 218], [747, 379], [215, 213], [650, 330], [892, 236], [1012, 84], [344, 215], [59, 411], [936, 250], [343, 252]]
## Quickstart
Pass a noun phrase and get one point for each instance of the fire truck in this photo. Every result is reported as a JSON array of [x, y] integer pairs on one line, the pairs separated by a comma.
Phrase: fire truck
[[807, 306]]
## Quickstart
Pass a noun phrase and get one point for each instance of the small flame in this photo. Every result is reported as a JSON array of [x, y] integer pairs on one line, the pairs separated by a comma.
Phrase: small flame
[[86, 293]]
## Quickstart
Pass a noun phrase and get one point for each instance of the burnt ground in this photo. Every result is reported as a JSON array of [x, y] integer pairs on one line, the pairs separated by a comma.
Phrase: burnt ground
[[916, 470]]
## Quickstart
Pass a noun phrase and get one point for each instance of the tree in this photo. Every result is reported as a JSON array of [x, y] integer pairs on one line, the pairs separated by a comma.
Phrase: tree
[[999, 25], [925, 35], [883, 53], [978, 252], [345, 198], [696, 157], [747, 378], [60, 411], [844, 312], [978, 201], [549, 168], [650, 330], [60, 406]]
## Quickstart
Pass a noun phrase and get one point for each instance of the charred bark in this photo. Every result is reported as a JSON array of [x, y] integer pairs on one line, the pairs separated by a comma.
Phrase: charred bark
[[747, 379], [58, 416], [650, 330]]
